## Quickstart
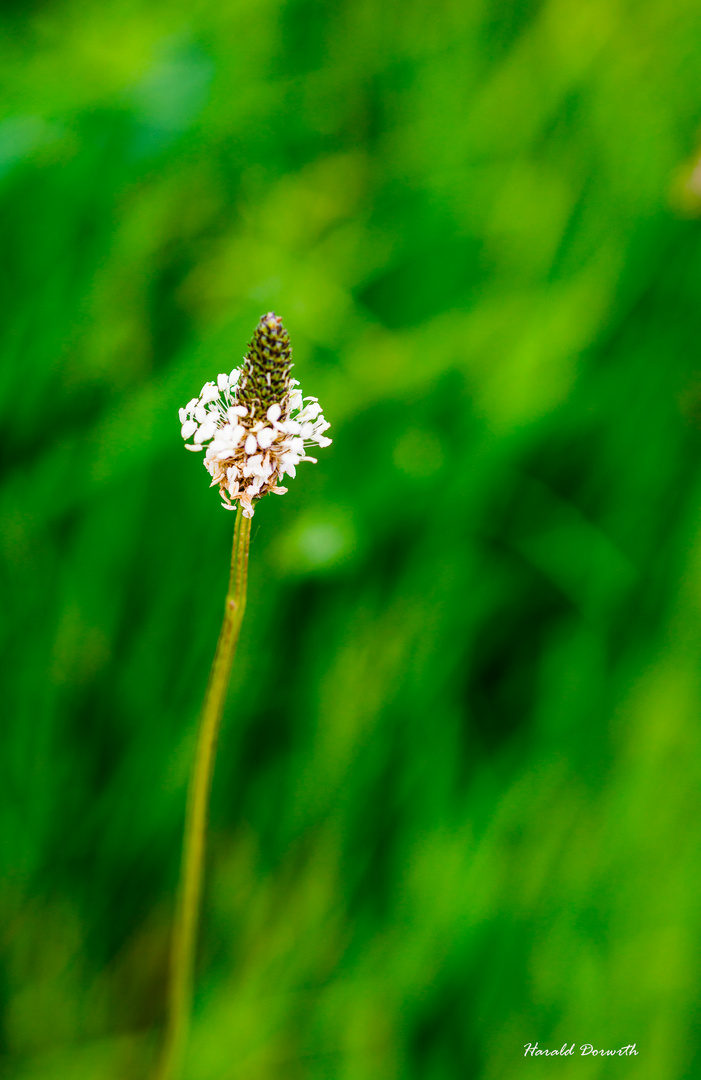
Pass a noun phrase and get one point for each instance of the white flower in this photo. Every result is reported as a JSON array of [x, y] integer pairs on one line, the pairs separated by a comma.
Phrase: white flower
[[250, 447]]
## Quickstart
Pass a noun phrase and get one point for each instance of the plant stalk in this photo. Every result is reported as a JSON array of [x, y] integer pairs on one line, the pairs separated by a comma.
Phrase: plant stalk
[[184, 940]]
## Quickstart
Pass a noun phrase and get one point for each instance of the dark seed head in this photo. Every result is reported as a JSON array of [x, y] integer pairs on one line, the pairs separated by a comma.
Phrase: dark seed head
[[265, 376]]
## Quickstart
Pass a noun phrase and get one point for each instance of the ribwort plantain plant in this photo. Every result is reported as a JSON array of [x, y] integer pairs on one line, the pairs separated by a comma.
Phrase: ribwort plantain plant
[[255, 427]]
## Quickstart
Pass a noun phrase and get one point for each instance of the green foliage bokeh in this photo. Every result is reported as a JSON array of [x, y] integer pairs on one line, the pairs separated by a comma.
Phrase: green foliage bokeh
[[456, 806]]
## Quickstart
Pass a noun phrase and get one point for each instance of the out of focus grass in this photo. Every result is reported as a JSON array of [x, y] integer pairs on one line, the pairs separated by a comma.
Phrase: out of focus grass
[[457, 804]]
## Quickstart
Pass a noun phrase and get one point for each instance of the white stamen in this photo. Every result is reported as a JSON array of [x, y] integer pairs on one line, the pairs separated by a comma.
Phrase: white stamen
[[209, 393]]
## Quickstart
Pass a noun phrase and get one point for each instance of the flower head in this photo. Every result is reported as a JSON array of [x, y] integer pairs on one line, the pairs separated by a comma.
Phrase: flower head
[[254, 425]]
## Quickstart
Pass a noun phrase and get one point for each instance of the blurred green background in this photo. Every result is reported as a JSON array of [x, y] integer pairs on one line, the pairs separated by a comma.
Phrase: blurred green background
[[457, 804]]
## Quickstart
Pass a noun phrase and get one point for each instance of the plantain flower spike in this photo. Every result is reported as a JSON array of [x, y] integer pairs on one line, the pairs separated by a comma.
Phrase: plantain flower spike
[[254, 425]]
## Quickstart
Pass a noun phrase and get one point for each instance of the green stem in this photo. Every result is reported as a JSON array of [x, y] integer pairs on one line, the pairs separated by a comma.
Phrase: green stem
[[184, 939]]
